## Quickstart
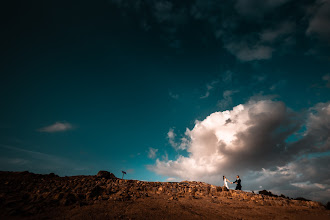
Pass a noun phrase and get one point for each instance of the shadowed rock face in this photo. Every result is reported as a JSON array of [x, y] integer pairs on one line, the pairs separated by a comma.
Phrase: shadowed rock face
[[28, 194]]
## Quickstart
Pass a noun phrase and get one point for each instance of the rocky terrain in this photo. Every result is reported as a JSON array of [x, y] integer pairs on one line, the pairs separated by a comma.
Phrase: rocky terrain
[[25, 195]]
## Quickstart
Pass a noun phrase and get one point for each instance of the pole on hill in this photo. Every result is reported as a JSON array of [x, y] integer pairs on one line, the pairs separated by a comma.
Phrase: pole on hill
[[123, 174]]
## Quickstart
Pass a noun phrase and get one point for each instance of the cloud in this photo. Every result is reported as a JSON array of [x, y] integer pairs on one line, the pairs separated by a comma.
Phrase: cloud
[[227, 77], [326, 78], [173, 96], [278, 85], [255, 131], [172, 140], [209, 88], [320, 21], [250, 30], [171, 179], [252, 140], [305, 177], [227, 99], [56, 127], [171, 137], [271, 35], [257, 8], [245, 51], [152, 153]]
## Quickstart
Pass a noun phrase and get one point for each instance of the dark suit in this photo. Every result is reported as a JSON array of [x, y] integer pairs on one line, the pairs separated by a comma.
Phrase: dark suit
[[238, 186]]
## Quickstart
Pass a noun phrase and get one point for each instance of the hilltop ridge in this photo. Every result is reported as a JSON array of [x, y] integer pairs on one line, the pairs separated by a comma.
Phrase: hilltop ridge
[[104, 196]]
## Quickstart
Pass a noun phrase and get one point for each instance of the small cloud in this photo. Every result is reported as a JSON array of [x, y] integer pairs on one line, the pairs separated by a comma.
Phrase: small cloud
[[227, 99], [326, 78], [207, 94], [227, 77], [18, 161], [152, 153], [56, 127], [130, 171], [209, 88], [177, 145], [171, 137], [171, 179], [278, 85], [247, 52], [134, 155], [259, 78], [173, 96]]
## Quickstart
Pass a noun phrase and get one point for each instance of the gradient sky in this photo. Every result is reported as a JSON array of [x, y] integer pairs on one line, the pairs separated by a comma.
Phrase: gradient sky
[[114, 85]]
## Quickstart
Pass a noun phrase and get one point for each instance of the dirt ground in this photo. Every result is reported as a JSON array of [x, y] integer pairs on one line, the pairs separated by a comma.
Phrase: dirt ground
[[160, 207]]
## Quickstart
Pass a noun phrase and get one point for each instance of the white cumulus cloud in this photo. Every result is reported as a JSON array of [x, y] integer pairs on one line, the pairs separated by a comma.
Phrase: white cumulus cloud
[[251, 140]]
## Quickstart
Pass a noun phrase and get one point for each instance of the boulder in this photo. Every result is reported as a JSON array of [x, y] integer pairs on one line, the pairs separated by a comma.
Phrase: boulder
[[106, 175]]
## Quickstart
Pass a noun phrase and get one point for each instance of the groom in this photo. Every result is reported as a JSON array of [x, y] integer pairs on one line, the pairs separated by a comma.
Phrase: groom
[[238, 182]]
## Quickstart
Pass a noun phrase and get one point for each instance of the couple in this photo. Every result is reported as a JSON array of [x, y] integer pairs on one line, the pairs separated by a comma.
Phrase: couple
[[237, 181]]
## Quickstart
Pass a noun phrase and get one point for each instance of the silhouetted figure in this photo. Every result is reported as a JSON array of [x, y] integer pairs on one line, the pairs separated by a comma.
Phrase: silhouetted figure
[[238, 182]]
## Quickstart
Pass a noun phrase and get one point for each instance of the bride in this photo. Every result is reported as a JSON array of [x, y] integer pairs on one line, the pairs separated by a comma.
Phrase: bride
[[225, 180]]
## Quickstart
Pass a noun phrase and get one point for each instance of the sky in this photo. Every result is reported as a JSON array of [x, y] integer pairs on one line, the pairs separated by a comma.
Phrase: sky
[[169, 91]]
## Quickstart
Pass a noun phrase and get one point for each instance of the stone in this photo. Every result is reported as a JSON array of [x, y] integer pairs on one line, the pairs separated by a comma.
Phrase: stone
[[106, 175], [69, 199]]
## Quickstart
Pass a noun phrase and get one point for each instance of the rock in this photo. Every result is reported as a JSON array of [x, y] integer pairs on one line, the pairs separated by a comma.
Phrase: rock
[[173, 198], [69, 199], [225, 188], [327, 206], [58, 196], [52, 175], [106, 175], [302, 199], [267, 193]]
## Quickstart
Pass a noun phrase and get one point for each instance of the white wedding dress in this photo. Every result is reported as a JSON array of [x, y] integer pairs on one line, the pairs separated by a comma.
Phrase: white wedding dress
[[225, 183]]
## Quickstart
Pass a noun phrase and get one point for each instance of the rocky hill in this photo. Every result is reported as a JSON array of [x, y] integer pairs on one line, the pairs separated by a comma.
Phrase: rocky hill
[[103, 196]]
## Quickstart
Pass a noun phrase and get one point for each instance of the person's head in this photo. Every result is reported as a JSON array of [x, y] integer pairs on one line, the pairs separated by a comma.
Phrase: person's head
[[237, 176], [223, 177]]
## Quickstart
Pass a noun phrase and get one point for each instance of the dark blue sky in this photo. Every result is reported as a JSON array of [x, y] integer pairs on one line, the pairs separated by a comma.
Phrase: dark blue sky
[[88, 85]]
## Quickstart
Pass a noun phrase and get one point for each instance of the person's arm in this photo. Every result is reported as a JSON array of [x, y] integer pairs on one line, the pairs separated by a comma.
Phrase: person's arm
[[235, 181]]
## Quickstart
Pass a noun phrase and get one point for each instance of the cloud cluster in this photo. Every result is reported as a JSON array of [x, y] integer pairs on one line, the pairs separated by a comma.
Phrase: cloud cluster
[[249, 30], [57, 127], [262, 141]]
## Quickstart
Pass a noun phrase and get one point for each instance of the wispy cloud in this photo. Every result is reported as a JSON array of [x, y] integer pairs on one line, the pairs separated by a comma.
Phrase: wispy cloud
[[209, 88], [56, 127], [227, 99], [326, 78], [278, 85], [152, 153], [171, 179], [173, 96], [35, 161], [172, 140]]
